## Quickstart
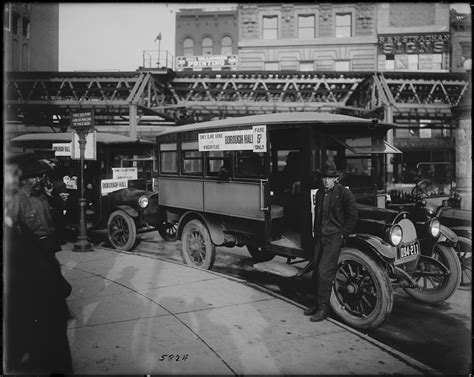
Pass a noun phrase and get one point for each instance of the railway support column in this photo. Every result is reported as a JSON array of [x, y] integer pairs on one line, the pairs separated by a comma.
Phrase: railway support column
[[388, 117], [133, 121], [463, 145]]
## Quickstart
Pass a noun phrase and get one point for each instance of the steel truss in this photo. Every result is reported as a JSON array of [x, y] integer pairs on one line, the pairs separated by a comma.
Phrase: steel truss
[[154, 96]]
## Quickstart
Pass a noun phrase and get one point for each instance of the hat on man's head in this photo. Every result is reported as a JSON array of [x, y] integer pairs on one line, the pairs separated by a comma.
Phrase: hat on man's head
[[33, 168], [328, 170]]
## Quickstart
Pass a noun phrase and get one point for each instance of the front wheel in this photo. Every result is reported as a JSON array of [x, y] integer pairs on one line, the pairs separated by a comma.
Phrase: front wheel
[[197, 247], [464, 251], [168, 231], [362, 294], [434, 284], [121, 230]]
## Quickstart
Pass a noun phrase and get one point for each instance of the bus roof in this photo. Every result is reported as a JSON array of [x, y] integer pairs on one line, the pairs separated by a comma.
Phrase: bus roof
[[275, 118], [65, 137]]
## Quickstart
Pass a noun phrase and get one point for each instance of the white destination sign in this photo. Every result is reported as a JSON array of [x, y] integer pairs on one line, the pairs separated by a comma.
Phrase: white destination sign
[[124, 173], [253, 139], [110, 185], [62, 149]]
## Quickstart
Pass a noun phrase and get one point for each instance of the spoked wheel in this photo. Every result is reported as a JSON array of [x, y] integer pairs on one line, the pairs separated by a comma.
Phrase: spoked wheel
[[464, 251], [197, 247], [168, 231], [362, 293], [435, 284], [121, 230]]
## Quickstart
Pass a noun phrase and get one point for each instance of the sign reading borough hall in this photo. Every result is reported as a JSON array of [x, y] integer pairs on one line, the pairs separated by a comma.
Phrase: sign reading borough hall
[[420, 43]]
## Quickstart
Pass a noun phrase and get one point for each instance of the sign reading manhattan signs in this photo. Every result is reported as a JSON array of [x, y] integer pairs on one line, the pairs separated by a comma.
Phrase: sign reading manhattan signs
[[82, 120], [110, 185], [254, 139], [205, 61], [419, 43], [125, 173]]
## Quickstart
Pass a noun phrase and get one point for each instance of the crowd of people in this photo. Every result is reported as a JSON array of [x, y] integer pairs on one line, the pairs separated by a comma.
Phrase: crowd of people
[[36, 311]]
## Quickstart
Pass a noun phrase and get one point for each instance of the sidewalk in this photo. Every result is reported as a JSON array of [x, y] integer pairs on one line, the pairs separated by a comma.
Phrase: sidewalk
[[140, 315]]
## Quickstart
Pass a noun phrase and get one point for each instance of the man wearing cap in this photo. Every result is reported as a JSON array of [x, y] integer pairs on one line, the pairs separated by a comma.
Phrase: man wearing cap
[[32, 208], [335, 218]]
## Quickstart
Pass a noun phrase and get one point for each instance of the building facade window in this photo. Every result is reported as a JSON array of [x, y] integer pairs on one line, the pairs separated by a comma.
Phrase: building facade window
[[343, 25], [188, 47], [16, 21], [306, 26], [270, 27], [271, 66], [6, 16], [342, 65], [307, 66], [15, 56], [226, 46], [25, 57], [26, 27], [207, 46]]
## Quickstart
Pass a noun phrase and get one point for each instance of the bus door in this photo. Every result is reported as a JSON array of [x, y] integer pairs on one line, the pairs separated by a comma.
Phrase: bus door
[[289, 181]]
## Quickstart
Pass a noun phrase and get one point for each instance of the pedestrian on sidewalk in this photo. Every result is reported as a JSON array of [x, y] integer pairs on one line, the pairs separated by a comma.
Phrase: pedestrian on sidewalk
[[335, 218], [35, 306]]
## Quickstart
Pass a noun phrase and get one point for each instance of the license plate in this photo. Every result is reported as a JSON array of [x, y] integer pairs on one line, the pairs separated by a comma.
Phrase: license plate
[[409, 249]]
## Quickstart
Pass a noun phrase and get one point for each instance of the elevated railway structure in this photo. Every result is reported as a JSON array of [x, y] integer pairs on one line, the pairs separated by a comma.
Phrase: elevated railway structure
[[152, 98]]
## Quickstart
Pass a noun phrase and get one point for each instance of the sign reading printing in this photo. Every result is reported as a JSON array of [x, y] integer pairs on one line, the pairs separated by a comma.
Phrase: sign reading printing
[[62, 149], [253, 139], [110, 185], [124, 173]]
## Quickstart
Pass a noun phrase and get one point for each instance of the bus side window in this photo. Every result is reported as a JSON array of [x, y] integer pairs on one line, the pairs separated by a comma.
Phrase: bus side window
[[192, 158], [216, 161], [169, 158], [249, 164]]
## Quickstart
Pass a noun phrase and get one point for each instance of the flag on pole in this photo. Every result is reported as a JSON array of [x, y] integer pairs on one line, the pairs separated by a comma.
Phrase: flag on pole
[[158, 37]]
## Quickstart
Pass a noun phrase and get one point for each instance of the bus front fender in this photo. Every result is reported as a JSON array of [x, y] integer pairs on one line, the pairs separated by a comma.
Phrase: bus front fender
[[373, 244]]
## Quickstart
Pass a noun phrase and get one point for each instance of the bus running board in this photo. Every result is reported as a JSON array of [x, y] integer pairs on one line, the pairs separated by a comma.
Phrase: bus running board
[[278, 268]]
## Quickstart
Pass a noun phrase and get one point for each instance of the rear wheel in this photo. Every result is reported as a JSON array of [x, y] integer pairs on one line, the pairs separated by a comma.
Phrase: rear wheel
[[259, 254], [362, 294], [434, 284], [197, 247], [121, 230]]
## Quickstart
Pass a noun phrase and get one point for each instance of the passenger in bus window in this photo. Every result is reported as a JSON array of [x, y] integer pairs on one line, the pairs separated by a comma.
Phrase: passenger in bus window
[[335, 218]]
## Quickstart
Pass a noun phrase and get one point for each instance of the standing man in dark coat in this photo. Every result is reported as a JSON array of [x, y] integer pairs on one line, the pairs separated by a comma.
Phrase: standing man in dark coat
[[335, 218]]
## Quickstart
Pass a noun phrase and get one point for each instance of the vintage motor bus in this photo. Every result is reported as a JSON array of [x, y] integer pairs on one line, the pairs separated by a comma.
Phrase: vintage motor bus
[[249, 181], [120, 205]]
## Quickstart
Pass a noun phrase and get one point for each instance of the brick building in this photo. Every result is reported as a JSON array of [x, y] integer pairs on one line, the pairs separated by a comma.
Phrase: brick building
[[206, 40], [31, 36]]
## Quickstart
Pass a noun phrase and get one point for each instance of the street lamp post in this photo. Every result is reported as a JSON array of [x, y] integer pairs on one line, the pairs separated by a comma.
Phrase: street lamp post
[[82, 123]]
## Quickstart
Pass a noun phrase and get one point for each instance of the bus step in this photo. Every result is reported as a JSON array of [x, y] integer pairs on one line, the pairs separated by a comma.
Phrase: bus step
[[278, 268]]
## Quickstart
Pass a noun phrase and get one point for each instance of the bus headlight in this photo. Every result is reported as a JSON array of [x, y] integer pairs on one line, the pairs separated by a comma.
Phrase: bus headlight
[[143, 201], [435, 227], [395, 235]]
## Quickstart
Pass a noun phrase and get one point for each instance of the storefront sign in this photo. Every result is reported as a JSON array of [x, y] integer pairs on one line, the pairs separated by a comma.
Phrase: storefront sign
[[253, 139], [91, 146], [110, 185], [62, 149], [422, 43], [206, 61], [124, 173]]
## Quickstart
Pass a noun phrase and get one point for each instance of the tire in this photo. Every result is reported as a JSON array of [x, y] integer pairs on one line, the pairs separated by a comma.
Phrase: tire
[[197, 247], [121, 230], [260, 255], [362, 295], [168, 231], [433, 290], [464, 251]]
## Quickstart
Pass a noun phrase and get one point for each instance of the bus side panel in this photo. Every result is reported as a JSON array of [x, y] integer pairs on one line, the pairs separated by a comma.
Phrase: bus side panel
[[181, 193], [233, 199]]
